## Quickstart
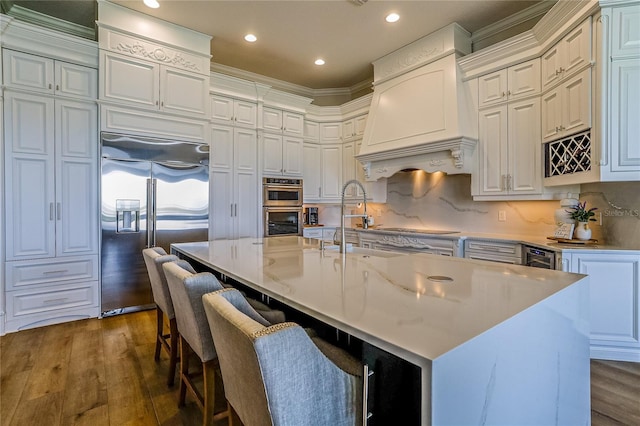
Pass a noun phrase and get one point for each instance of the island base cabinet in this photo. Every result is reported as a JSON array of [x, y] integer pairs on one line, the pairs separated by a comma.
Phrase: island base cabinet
[[393, 389], [614, 303]]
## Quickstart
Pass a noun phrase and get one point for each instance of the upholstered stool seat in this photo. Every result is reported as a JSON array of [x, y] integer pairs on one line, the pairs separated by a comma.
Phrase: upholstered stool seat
[[278, 375]]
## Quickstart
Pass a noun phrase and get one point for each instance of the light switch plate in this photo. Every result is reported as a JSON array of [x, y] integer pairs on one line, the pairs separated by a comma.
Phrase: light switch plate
[[502, 216]]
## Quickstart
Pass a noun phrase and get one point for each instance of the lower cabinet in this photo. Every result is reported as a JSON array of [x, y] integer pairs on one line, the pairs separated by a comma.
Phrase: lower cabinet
[[410, 243], [614, 283], [319, 233], [48, 291], [493, 251]]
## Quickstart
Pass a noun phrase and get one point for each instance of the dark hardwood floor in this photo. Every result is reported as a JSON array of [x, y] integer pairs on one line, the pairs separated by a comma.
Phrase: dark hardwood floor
[[101, 372]]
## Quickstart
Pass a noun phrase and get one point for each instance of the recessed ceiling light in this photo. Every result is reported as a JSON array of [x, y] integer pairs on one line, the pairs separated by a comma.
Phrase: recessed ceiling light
[[392, 17], [319, 62], [152, 4], [250, 38]]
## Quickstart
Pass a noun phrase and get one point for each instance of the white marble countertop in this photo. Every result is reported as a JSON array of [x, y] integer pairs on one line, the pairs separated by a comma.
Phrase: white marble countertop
[[387, 300]]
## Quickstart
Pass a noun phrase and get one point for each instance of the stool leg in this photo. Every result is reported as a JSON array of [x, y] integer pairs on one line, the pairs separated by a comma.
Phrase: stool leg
[[160, 329], [208, 371], [185, 352], [173, 355]]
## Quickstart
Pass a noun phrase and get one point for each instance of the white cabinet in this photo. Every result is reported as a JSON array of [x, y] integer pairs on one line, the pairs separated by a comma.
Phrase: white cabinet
[[614, 292], [493, 251], [625, 110], [281, 155], [319, 233], [568, 56], [235, 112], [322, 172], [277, 120], [353, 128], [515, 82], [51, 207], [567, 108], [409, 243], [52, 171], [234, 183], [39, 74], [510, 151], [352, 169], [330, 132], [133, 81], [311, 131]]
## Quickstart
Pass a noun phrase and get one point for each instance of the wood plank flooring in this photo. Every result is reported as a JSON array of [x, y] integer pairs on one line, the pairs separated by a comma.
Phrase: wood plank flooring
[[101, 372]]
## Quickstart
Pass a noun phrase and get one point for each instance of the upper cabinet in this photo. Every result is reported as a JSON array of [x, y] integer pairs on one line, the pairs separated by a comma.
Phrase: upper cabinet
[[281, 121], [510, 84], [24, 71], [234, 111], [353, 128], [566, 109], [568, 56], [154, 76], [150, 85]]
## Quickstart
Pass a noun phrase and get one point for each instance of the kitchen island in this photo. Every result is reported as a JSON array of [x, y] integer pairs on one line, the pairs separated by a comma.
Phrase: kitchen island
[[495, 344]]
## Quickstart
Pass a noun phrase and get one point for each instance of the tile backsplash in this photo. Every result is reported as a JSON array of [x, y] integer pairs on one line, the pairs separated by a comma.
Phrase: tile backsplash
[[438, 201]]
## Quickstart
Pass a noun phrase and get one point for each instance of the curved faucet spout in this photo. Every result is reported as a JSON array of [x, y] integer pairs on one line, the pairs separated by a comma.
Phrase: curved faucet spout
[[343, 216]]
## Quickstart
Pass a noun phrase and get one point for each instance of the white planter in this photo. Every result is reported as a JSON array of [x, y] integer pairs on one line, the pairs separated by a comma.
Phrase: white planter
[[583, 232]]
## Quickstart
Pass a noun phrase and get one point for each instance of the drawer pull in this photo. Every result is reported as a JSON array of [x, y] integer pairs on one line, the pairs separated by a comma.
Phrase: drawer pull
[[51, 301], [60, 271]]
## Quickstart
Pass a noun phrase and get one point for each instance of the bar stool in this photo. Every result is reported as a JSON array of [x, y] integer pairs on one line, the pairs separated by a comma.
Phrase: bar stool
[[278, 374], [154, 258]]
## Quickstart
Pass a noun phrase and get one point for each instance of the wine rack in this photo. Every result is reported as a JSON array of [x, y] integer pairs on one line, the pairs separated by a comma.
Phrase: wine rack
[[569, 155]]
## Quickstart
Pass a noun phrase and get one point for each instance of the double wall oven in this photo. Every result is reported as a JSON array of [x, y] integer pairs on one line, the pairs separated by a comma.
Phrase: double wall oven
[[282, 206]]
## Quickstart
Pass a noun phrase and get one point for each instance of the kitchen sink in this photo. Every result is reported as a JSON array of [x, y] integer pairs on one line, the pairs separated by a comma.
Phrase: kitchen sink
[[419, 231]]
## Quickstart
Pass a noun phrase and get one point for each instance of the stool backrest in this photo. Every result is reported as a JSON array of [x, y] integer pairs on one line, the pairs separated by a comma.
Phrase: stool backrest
[[154, 258], [187, 288]]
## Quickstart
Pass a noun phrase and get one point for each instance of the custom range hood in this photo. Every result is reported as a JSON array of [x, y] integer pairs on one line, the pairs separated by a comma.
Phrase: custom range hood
[[422, 114]]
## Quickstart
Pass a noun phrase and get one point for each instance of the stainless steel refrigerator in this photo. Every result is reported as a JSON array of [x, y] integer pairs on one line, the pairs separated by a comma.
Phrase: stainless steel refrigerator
[[154, 192]]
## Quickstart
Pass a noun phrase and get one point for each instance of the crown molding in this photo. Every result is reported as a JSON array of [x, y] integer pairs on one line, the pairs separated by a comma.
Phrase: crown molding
[[54, 44], [514, 20], [560, 19], [37, 18], [357, 106]]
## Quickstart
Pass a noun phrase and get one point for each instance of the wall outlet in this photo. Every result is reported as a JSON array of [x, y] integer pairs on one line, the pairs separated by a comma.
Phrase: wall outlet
[[502, 216], [379, 212]]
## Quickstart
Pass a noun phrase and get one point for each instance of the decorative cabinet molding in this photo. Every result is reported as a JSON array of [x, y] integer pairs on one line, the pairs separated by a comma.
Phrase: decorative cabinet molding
[[406, 243]]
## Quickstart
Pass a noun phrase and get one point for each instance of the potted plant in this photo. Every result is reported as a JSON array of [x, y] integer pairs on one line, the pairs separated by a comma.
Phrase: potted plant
[[580, 214]]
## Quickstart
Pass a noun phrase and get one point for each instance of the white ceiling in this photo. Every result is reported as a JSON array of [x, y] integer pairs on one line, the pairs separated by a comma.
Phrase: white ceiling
[[292, 34]]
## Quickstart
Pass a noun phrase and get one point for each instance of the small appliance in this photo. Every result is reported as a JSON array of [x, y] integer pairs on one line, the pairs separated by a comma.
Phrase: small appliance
[[311, 214]]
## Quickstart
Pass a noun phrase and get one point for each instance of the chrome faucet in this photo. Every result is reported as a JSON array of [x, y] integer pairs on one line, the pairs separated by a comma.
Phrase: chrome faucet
[[343, 244]]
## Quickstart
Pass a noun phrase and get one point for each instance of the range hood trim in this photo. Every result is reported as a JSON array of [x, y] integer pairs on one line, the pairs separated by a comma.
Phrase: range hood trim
[[452, 156]]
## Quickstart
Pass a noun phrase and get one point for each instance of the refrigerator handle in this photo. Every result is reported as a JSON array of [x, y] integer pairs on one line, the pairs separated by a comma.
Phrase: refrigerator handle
[[149, 213], [154, 186]]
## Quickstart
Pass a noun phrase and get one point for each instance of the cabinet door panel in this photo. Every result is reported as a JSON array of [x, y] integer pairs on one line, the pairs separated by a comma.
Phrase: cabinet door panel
[[626, 40], [524, 79], [30, 221], [77, 129], [221, 210], [29, 124], [221, 108], [492, 87], [576, 104], [550, 65], [614, 289], [311, 171], [246, 151], [77, 200], [577, 48], [272, 119], [331, 171], [551, 115], [183, 92], [625, 111], [525, 149], [221, 157], [129, 80], [246, 204], [23, 70], [76, 80], [245, 113], [349, 168], [272, 154], [293, 123], [292, 156], [493, 150]]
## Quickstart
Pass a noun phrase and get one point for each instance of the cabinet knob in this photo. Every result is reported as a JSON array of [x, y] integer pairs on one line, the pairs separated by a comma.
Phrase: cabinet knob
[[503, 95], [50, 86], [156, 103], [508, 92], [57, 87]]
